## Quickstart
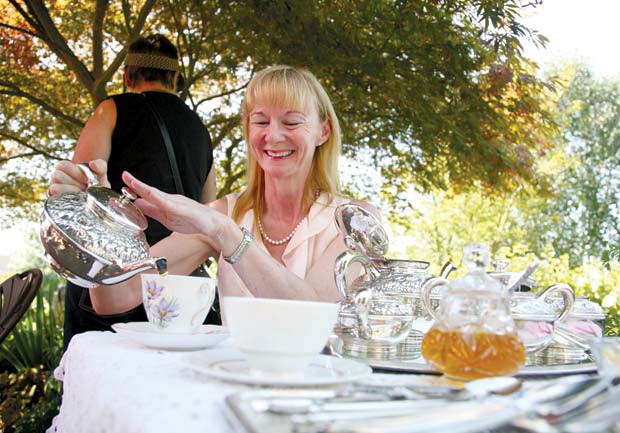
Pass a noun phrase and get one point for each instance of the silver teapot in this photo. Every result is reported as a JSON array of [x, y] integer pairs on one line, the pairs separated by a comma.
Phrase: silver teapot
[[96, 237], [380, 306]]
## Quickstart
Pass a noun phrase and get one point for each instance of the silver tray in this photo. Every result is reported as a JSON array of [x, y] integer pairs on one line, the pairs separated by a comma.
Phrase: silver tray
[[419, 366], [411, 361]]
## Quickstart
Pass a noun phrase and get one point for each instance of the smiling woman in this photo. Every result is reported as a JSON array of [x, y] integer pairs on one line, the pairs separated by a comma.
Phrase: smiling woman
[[293, 140]]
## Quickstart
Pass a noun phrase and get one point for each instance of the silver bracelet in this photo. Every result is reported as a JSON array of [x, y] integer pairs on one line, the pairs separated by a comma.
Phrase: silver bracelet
[[243, 246]]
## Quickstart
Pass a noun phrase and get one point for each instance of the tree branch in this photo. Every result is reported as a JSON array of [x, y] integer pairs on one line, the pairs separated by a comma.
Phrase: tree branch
[[231, 123], [126, 15], [100, 10], [27, 146], [21, 155], [58, 44], [20, 29], [142, 16], [220, 120], [219, 95], [133, 33], [25, 15], [16, 91]]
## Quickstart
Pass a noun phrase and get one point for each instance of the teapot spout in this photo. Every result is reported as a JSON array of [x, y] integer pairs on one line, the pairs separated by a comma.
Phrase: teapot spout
[[160, 264]]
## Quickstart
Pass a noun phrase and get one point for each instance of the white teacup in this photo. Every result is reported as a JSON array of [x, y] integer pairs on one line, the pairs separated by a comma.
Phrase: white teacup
[[279, 336], [177, 304]]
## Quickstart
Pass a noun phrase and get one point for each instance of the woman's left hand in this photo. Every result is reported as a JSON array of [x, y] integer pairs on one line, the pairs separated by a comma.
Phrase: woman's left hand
[[178, 213]]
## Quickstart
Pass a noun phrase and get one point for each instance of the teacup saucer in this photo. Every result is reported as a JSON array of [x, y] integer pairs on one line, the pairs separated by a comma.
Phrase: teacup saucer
[[230, 365], [147, 335]]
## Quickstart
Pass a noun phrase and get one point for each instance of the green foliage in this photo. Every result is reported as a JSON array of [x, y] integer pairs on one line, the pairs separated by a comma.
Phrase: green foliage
[[441, 225], [28, 400], [434, 93], [585, 211], [37, 338]]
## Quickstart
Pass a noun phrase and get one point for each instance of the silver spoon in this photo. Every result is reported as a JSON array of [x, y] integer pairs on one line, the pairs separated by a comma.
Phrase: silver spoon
[[501, 385]]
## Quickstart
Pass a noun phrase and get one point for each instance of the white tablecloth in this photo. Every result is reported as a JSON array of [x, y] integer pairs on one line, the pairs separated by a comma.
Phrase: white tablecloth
[[112, 384]]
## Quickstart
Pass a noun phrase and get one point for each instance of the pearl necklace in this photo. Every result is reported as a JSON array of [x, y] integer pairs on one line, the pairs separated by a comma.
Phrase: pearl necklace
[[273, 241]]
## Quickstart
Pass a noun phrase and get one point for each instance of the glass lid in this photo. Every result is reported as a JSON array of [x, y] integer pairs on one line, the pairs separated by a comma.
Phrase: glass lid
[[528, 306]]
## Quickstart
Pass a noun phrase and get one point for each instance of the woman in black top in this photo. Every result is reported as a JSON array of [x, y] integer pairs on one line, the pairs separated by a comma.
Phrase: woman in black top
[[123, 131]]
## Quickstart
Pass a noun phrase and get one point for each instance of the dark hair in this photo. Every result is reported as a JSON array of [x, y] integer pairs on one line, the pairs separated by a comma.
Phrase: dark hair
[[152, 44]]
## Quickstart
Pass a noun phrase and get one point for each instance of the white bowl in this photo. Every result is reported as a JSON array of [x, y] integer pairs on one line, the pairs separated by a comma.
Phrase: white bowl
[[276, 335]]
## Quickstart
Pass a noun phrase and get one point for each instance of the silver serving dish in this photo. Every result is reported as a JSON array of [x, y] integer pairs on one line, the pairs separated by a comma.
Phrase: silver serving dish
[[96, 237]]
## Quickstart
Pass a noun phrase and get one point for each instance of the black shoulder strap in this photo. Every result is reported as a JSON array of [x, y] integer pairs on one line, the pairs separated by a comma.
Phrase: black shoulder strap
[[168, 143]]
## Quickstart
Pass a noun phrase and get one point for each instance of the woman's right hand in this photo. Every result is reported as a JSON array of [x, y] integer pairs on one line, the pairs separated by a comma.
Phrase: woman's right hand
[[68, 177]]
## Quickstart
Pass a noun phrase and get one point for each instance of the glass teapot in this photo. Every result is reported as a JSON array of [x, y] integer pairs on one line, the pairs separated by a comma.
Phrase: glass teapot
[[474, 334]]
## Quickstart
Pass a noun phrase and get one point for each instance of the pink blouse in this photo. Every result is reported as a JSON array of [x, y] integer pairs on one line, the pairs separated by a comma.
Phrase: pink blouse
[[310, 254]]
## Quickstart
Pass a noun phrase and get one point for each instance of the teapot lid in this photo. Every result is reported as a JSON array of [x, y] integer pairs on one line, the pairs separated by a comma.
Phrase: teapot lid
[[527, 306], [361, 231], [585, 309], [476, 259], [111, 206]]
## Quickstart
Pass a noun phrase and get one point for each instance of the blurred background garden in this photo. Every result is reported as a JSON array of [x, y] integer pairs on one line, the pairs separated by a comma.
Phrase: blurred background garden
[[463, 121]]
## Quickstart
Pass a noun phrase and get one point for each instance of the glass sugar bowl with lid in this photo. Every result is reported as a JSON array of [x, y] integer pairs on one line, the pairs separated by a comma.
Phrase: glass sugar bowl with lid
[[474, 334], [570, 343], [536, 318]]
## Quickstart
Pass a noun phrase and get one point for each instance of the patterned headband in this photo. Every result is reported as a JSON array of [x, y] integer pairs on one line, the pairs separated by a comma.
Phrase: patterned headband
[[152, 61]]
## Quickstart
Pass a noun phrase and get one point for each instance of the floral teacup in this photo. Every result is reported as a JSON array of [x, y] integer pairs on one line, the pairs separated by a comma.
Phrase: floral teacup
[[177, 303]]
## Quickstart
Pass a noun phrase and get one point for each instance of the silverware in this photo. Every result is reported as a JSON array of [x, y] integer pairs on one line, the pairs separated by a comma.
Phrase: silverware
[[599, 417], [462, 417], [367, 401], [572, 397]]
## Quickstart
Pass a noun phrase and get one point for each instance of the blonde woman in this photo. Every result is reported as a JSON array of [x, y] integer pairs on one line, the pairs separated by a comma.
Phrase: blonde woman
[[277, 238]]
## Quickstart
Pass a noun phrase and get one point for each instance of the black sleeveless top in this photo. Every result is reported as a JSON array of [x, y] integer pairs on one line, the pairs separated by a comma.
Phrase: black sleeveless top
[[138, 147]]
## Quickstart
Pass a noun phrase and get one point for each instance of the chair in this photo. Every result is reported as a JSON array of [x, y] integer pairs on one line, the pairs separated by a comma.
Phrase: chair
[[16, 295]]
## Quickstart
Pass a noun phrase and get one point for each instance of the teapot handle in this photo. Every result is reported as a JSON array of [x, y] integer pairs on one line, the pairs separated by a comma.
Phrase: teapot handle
[[92, 179], [447, 269], [425, 293], [567, 294], [342, 264]]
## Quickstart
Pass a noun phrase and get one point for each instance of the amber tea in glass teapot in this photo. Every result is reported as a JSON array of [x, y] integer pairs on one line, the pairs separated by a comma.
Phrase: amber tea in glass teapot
[[473, 335]]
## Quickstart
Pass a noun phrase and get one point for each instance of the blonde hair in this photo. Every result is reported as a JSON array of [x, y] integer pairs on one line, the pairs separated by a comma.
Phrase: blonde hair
[[295, 89]]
